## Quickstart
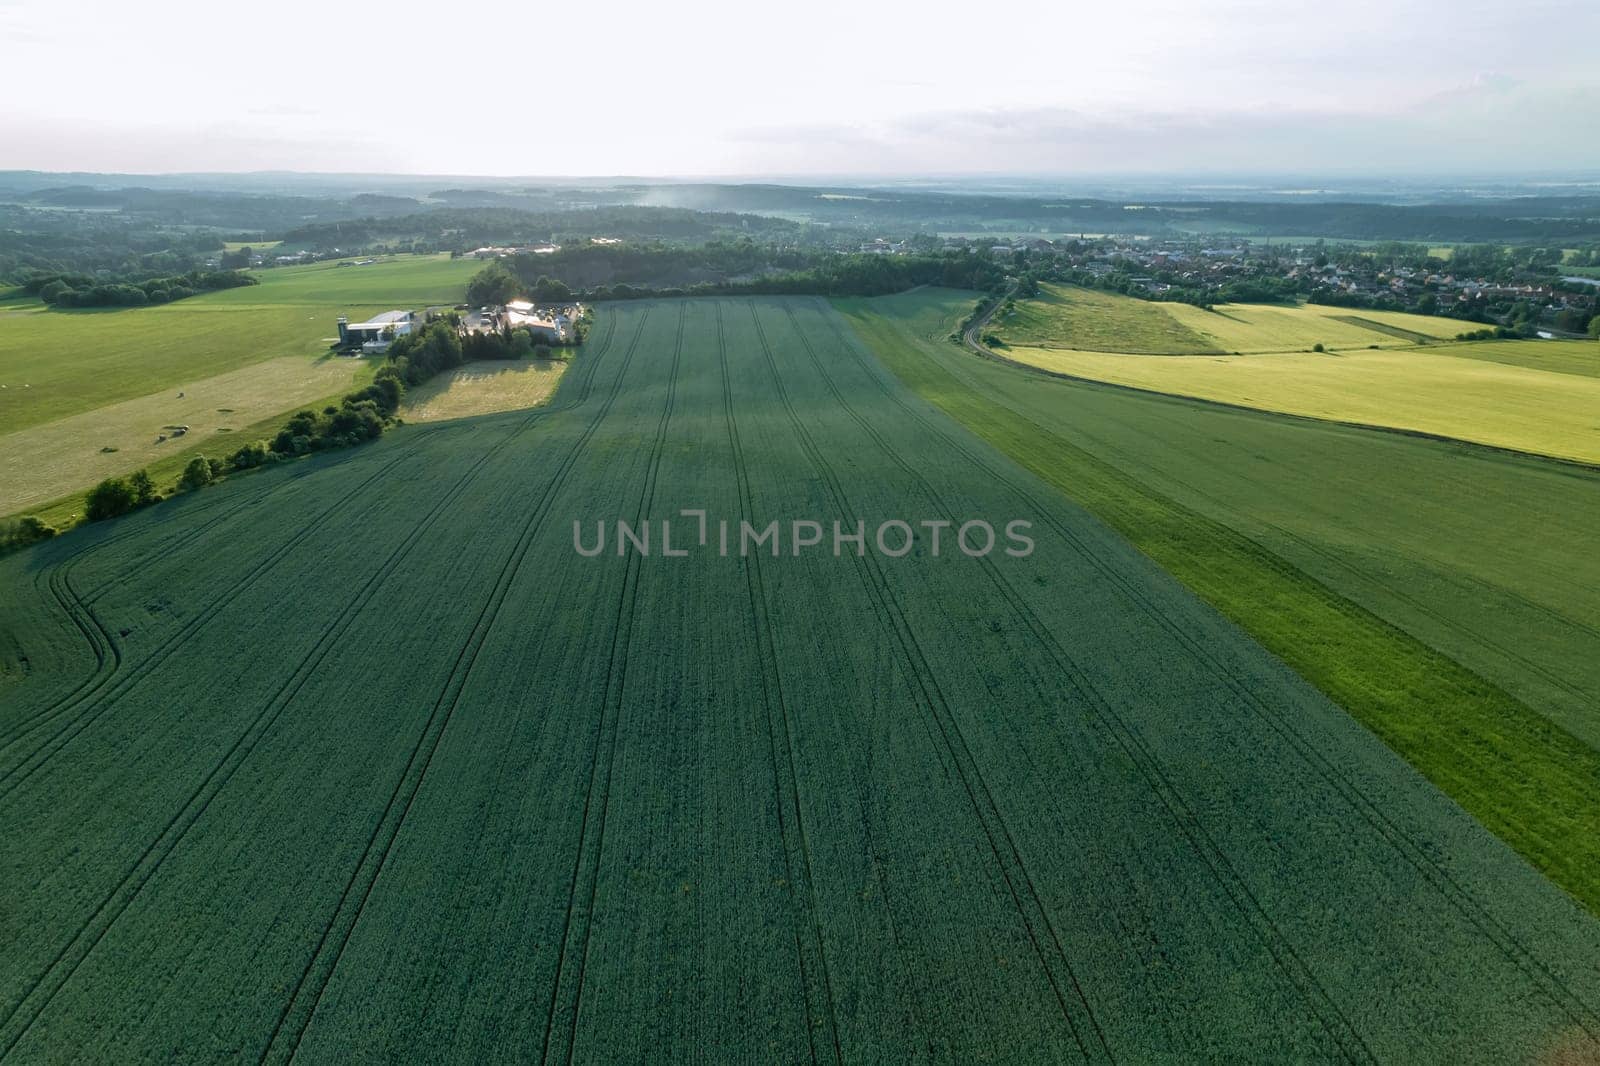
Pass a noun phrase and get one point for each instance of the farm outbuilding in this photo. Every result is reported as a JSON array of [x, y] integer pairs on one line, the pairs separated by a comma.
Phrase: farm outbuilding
[[378, 332]]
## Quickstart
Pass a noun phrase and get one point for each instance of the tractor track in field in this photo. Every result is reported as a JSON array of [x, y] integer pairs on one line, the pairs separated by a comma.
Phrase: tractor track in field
[[919, 674], [1430, 868], [124, 893], [101, 699], [80, 609], [598, 794], [1585, 1016], [772, 692], [172, 834], [1316, 998], [317, 974]]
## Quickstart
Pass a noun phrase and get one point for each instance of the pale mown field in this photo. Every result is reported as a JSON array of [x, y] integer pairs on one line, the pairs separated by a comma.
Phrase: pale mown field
[[1416, 389], [1247, 328], [44, 462], [484, 388]]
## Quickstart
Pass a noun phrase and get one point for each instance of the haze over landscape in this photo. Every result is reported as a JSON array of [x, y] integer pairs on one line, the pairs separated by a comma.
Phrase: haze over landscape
[[717, 87]]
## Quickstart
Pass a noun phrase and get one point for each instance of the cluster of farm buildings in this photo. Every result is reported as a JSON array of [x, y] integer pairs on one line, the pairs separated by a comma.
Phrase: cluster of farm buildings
[[553, 324]]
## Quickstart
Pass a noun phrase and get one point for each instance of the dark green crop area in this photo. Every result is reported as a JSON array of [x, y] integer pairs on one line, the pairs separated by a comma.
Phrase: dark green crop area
[[1447, 595], [359, 759]]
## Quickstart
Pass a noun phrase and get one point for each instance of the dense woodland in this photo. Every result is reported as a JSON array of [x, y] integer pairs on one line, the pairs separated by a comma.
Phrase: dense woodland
[[620, 272]]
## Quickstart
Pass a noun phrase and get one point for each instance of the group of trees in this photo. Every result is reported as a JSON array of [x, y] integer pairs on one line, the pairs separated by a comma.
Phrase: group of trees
[[418, 356], [493, 286], [360, 416], [118, 495], [83, 290], [21, 532], [496, 285]]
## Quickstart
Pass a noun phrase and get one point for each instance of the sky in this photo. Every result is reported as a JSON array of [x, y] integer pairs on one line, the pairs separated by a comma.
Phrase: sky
[[724, 88]]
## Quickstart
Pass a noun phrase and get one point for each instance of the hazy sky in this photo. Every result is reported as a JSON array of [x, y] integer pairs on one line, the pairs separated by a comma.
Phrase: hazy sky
[[715, 87]]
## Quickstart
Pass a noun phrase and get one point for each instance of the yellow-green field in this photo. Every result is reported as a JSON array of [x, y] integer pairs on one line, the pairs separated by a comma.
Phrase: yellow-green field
[[484, 388], [1560, 357], [1421, 389], [254, 246], [1248, 328], [1379, 368], [44, 462]]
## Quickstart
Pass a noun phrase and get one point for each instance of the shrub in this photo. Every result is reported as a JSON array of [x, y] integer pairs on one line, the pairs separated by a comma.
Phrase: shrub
[[143, 489], [197, 475], [110, 498], [20, 532], [249, 457]]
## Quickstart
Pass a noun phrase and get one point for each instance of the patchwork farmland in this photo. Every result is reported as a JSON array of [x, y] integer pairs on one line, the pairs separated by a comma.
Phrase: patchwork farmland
[[1375, 368], [489, 799], [86, 394]]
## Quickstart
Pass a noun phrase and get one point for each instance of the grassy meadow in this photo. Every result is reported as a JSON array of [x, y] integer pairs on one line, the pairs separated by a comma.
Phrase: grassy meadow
[[48, 462], [76, 383], [1068, 317], [856, 807], [59, 363]]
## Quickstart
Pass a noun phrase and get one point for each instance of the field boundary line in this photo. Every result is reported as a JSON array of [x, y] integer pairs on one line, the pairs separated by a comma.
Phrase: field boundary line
[[79, 696]]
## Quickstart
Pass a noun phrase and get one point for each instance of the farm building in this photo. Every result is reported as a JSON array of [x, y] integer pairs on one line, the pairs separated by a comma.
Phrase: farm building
[[377, 333], [553, 324]]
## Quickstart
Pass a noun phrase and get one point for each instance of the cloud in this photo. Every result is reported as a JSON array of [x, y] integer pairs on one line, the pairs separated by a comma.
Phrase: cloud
[[1493, 123]]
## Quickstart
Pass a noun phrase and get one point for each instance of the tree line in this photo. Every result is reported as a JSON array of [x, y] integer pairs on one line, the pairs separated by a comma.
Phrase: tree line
[[84, 290]]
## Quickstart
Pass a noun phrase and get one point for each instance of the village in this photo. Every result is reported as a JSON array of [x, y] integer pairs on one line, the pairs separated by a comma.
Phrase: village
[[1523, 289]]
